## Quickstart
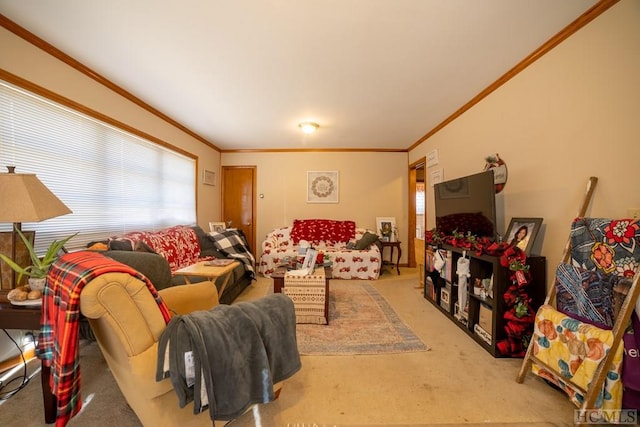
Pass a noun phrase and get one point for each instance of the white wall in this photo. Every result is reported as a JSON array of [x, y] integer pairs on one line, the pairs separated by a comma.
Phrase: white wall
[[36, 66], [371, 185], [573, 114]]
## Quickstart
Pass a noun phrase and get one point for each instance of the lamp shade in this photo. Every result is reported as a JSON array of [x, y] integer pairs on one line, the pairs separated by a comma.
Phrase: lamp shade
[[24, 198]]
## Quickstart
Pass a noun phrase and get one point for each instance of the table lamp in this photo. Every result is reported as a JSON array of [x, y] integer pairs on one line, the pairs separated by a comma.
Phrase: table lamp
[[25, 199]]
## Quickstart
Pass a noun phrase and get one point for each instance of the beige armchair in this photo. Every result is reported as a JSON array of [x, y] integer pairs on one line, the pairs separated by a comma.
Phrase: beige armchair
[[127, 324]]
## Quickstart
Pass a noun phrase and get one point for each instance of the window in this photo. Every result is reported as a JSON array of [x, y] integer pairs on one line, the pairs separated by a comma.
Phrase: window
[[113, 181], [420, 200]]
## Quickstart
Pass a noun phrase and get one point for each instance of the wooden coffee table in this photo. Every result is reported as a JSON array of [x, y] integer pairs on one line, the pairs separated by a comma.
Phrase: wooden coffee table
[[278, 284], [211, 272]]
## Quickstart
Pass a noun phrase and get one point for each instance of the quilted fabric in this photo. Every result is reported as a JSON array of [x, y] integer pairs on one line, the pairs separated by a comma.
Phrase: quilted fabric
[[178, 245], [574, 350], [610, 246], [317, 230], [586, 295]]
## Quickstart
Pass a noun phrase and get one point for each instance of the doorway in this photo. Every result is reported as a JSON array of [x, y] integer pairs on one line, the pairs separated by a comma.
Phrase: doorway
[[239, 200], [417, 207]]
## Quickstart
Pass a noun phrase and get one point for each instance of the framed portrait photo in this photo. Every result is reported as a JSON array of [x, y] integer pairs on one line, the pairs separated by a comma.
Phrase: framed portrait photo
[[217, 227], [309, 262], [322, 187], [385, 228], [522, 232]]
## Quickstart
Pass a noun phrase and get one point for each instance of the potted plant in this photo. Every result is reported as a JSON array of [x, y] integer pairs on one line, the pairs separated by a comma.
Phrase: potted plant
[[37, 271]]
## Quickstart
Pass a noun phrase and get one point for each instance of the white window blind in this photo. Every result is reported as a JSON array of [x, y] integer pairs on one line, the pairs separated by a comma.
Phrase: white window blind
[[113, 181]]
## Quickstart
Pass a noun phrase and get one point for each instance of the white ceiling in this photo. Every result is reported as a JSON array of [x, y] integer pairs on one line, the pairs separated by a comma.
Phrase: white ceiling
[[375, 74]]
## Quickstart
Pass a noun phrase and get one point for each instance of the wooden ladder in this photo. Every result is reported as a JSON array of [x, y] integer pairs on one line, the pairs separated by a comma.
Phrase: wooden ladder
[[623, 318]]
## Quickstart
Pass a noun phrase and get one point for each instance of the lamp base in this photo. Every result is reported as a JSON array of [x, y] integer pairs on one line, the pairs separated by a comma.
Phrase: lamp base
[[16, 251]]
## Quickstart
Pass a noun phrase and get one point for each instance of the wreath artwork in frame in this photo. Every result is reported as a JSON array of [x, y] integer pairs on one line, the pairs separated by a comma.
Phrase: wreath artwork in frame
[[322, 187], [522, 233]]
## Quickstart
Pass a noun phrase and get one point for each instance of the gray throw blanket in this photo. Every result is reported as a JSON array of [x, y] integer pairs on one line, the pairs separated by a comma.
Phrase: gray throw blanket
[[238, 351]]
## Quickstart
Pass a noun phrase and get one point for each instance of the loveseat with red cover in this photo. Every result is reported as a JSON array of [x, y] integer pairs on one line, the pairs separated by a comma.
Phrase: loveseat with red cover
[[354, 252]]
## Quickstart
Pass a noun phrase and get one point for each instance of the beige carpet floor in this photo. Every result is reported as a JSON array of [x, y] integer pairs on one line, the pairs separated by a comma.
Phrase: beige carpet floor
[[455, 383]]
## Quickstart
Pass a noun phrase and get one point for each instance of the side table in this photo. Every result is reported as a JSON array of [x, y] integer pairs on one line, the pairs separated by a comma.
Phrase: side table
[[28, 318], [392, 246], [209, 272]]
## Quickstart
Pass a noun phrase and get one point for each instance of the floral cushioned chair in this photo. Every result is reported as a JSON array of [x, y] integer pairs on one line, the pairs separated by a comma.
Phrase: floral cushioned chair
[[577, 344]]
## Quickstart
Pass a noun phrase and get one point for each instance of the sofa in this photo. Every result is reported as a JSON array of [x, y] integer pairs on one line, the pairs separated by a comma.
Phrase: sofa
[[158, 254], [352, 252]]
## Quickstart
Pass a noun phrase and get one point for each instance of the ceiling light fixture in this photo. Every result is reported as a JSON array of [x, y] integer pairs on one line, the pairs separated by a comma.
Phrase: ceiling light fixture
[[308, 127]]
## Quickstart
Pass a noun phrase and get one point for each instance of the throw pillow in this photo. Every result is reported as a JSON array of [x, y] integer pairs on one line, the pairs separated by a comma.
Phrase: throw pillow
[[116, 244], [366, 241], [98, 246]]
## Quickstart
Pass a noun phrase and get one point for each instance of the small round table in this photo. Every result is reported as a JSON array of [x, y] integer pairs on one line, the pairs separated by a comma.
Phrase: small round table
[[392, 245]]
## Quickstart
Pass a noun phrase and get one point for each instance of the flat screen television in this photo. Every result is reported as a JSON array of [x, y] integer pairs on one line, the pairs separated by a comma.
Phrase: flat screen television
[[467, 205]]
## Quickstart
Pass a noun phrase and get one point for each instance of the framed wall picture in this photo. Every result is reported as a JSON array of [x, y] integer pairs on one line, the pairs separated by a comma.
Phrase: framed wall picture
[[386, 228], [522, 232], [322, 187], [216, 227], [208, 177]]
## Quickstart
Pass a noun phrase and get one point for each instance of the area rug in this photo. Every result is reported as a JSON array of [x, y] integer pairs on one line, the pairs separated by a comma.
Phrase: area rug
[[361, 321]]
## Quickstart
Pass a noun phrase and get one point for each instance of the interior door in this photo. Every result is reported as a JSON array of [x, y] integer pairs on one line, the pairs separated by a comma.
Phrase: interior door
[[239, 200], [416, 207]]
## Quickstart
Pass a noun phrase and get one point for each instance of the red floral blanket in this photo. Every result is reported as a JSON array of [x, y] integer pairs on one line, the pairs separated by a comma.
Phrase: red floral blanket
[[317, 230], [178, 245]]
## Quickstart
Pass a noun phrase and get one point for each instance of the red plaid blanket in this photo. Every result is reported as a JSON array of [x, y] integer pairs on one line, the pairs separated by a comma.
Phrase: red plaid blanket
[[58, 337]]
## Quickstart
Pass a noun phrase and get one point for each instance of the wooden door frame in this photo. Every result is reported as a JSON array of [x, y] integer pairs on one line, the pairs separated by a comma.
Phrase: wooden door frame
[[251, 239], [411, 261]]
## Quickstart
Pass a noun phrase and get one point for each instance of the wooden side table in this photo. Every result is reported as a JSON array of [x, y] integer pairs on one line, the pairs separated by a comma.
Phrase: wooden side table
[[211, 272], [392, 245], [28, 318]]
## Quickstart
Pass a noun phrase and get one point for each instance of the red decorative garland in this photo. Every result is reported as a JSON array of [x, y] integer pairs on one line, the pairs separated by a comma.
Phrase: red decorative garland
[[519, 314]]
